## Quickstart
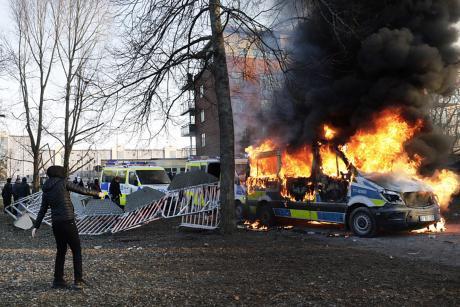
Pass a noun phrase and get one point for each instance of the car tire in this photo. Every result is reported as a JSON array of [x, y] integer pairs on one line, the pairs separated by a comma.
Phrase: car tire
[[362, 223], [240, 214], [266, 215]]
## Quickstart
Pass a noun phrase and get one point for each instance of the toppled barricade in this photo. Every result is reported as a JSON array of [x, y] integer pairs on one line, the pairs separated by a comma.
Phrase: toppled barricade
[[198, 206]]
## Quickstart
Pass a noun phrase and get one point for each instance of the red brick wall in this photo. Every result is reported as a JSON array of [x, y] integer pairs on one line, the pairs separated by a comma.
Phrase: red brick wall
[[246, 95]]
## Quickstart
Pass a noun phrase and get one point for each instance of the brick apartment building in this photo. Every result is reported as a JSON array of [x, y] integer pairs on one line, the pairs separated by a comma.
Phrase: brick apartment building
[[252, 81]]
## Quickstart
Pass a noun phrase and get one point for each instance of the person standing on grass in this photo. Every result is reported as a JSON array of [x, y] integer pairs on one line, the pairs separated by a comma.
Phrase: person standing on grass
[[57, 197], [16, 188], [24, 189], [7, 193]]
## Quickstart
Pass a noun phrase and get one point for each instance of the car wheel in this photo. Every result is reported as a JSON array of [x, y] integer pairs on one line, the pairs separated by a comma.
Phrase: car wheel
[[239, 211], [363, 223], [266, 216]]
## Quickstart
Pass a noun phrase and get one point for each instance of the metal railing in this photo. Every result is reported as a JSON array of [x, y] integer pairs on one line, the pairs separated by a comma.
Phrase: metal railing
[[198, 206]]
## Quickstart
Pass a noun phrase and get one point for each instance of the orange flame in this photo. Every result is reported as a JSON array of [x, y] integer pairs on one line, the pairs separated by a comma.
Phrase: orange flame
[[264, 169], [437, 227], [331, 164], [376, 149], [329, 133], [381, 149]]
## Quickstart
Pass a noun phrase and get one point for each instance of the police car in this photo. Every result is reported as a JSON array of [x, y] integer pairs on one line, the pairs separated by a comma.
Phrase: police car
[[362, 202], [133, 177]]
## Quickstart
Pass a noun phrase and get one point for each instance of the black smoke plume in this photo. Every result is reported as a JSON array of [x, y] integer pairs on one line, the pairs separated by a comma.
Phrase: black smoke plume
[[353, 58]]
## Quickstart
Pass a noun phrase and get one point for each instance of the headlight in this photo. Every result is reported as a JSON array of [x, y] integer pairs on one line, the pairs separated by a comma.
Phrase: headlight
[[392, 197]]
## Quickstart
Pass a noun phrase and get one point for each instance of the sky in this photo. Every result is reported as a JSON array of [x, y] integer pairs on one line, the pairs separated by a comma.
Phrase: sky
[[10, 106]]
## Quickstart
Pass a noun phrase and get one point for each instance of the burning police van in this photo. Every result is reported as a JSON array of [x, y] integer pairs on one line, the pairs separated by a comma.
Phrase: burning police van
[[332, 190]]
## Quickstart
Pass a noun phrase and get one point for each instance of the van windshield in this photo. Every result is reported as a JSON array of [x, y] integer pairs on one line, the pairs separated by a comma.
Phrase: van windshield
[[153, 177]]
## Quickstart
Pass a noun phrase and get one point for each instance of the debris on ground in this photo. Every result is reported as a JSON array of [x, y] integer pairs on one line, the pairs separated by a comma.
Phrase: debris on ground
[[158, 265]]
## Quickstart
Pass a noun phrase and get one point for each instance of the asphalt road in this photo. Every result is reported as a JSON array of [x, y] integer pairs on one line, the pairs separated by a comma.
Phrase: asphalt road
[[439, 247]]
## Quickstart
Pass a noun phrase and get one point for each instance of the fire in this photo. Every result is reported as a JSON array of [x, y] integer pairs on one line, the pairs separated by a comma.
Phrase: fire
[[331, 165], [329, 133], [379, 148], [444, 184], [255, 226], [438, 227], [264, 169]]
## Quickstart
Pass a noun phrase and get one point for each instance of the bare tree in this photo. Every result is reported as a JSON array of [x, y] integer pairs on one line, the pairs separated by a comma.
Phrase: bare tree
[[445, 114], [169, 40], [33, 56], [80, 25]]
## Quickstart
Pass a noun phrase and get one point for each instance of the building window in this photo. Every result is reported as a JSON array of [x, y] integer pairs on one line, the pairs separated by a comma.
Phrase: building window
[[203, 139], [237, 77], [265, 105], [201, 93], [202, 115]]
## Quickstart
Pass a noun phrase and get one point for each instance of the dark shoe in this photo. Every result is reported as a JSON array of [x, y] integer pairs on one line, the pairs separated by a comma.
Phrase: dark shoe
[[80, 285], [59, 284]]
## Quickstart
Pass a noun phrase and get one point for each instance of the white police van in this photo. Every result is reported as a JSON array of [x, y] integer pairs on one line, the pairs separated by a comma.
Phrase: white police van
[[133, 177]]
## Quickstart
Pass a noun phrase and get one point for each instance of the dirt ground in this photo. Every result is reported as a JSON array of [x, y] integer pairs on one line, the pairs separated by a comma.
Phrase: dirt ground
[[159, 265]]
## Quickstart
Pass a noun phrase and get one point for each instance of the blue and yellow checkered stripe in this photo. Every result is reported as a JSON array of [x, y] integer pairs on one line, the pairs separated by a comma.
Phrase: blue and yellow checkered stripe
[[320, 216]]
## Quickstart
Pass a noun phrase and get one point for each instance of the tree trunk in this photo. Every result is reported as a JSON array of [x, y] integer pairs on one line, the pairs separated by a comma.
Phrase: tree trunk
[[36, 174], [227, 147], [67, 152]]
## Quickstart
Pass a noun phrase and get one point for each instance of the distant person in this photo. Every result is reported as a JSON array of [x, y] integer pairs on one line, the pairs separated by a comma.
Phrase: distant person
[[80, 183], [57, 197], [7, 193], [95, 186], [24, 189], [75, 180], [16, 189], [114, 191]]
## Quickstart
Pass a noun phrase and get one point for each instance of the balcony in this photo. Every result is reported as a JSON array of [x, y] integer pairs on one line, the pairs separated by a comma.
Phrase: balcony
[[188, 130], [187, 106]]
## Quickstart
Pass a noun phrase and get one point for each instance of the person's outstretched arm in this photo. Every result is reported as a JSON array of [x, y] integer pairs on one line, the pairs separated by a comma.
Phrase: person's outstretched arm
[[41, 214], [70, 186]]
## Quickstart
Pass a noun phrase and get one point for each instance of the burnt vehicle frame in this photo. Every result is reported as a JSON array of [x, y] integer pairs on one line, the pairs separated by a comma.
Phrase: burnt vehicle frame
[[364, 203]]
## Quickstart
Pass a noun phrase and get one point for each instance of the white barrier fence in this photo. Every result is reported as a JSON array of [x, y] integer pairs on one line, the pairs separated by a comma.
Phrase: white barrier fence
[[198, 206]]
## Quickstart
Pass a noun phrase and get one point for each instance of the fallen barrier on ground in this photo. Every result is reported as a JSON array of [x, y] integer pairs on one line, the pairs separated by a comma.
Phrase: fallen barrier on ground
[[198, 207]]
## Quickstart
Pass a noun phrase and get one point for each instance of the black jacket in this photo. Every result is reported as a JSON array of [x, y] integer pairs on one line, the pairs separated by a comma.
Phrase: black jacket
[[24, 190], [16, 190], [114, 189], [7, 192], [56, 195]]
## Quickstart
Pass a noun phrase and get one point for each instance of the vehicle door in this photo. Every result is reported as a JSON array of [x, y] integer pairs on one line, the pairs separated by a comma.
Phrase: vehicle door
[[332, 185], [107, 177], [133, 181], [124, 186]]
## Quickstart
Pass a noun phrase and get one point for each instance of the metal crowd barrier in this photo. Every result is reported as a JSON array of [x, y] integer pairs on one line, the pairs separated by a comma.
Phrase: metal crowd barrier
[[198, 206]]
